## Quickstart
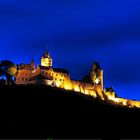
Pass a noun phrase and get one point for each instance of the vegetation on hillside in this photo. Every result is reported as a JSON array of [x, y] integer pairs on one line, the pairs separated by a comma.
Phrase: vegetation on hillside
[[7, 72]]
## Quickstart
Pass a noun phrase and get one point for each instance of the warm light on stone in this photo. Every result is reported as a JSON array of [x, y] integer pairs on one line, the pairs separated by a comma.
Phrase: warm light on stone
[[60, 78]]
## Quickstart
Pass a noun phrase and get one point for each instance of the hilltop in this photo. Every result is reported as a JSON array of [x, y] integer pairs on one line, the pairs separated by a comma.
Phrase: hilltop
[[42, 112]]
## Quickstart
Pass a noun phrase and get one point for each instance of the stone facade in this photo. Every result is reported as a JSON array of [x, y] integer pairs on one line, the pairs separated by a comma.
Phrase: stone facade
[[47, 75]]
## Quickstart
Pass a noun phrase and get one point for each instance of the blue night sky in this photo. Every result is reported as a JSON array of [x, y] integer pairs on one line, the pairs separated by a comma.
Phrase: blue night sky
[[76, 33]]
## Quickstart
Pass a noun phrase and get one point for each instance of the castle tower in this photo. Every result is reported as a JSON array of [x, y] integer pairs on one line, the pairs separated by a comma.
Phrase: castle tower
[[32, 64], [96, 75], [46, 60]]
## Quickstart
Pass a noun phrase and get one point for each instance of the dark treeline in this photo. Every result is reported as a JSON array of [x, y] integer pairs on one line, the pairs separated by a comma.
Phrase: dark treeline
[[7, 72]]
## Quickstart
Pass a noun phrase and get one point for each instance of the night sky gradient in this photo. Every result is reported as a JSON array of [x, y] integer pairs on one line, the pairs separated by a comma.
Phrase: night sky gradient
[[76, 33]]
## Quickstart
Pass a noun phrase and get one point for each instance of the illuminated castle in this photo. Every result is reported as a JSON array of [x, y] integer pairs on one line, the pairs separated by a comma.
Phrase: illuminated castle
[[46, 74]]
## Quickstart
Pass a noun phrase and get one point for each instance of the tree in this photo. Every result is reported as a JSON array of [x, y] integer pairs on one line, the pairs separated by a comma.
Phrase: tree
[[8, 69]]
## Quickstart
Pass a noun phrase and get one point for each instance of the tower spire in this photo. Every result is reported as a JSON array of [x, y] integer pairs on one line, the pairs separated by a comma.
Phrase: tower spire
[[32, 64], [47, 53]]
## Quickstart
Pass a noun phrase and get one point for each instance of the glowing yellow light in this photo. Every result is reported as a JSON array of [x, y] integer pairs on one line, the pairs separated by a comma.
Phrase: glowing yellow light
[[34, 71], [97, 81], [86, 92], [76, 88], [93, 94], [114, 99], [67, 87]]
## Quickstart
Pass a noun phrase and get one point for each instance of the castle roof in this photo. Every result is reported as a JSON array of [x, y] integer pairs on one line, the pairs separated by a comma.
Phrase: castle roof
[[44, 68], [61, 70], [26, 66], [55, 69], [40, 76], [46, 55], [97, 65]]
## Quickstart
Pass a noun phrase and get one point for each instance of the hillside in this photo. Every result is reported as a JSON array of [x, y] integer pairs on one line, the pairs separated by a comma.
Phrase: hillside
[[42, 112]]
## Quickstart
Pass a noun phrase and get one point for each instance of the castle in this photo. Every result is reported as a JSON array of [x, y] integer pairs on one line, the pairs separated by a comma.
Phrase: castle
[[46, 74]]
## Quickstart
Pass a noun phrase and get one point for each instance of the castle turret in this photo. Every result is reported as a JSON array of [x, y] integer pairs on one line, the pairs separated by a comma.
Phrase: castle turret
[[96, 75], [32, 64], [46, 60]]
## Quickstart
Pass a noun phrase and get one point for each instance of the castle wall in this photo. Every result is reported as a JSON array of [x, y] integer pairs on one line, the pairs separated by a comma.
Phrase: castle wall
[[23, 76], [133, 103], [41, 82], [60, 79], [36, 71], [85, 88], [121, 101]]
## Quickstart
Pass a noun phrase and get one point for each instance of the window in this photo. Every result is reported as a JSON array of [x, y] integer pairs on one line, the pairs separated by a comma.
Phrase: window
[[56, 74], [22, 79], [60, 79], [55, 79]]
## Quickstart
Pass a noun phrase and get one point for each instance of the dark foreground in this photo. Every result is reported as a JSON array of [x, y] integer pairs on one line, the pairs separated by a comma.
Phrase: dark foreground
[[45, 112]]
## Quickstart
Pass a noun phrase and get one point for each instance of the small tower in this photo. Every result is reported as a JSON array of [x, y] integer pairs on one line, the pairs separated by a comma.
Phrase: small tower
[[46, 60], [96, 75], [32, 64]]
